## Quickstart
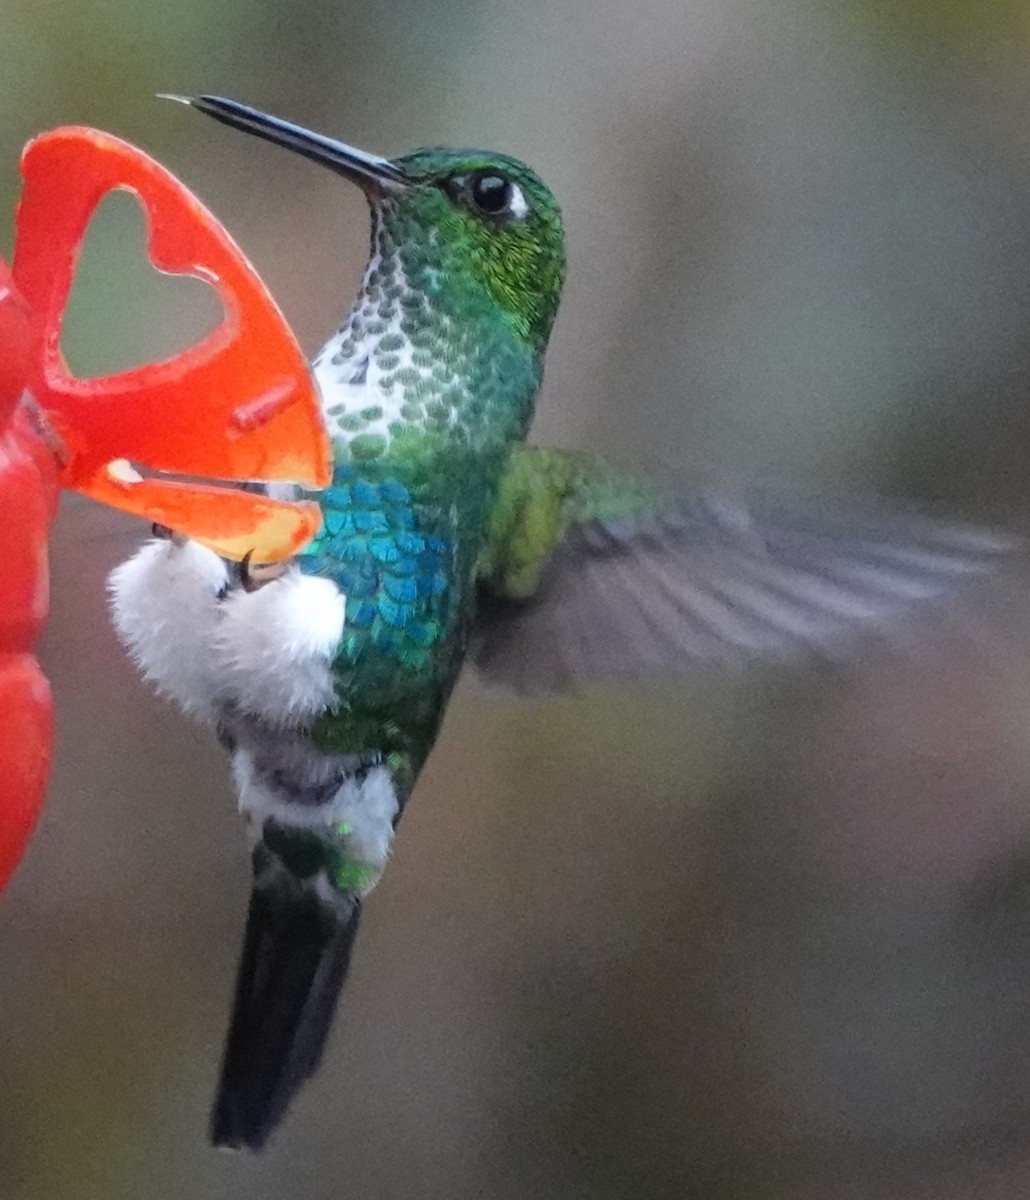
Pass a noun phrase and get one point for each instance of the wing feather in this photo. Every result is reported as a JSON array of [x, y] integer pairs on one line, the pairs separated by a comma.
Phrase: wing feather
[[634, 579]]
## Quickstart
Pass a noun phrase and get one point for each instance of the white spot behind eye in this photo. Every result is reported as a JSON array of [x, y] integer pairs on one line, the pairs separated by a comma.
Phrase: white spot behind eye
[[517, 206]]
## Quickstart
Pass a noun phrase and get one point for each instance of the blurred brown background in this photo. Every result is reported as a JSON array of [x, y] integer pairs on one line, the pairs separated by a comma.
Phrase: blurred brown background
[[759, 937]]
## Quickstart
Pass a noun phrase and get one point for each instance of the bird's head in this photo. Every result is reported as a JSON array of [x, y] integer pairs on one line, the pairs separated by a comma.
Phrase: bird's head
[[478, 227]]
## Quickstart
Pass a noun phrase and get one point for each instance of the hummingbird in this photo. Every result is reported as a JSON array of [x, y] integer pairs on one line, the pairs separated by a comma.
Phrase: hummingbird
[[446, 537]]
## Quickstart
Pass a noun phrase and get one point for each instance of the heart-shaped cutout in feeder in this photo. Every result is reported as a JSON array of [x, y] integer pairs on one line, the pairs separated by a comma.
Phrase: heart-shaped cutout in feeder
[[122, 312], [240, 405]]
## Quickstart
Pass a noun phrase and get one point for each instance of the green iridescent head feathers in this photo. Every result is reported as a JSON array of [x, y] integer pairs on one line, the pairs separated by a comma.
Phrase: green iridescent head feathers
[[491, 223]]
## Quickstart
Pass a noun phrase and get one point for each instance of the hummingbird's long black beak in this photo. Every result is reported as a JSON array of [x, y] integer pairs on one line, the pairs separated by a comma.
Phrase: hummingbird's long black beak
[[368, 171]]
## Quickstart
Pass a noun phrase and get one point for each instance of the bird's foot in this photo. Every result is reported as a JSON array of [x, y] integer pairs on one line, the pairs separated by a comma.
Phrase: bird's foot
[[252, 577], [168, 535]]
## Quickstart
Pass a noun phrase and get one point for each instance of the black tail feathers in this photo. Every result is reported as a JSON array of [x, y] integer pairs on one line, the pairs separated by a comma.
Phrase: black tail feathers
[[294, 962]]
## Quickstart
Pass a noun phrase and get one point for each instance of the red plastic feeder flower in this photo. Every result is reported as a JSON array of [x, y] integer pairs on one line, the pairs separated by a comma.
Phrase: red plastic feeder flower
[[240, 405]]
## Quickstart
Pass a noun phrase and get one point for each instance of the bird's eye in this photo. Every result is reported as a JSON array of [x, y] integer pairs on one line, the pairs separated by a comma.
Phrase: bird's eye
[[491, 193]]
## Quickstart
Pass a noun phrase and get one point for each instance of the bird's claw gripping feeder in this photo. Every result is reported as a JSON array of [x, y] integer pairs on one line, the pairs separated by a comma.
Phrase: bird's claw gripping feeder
[[238, 406]]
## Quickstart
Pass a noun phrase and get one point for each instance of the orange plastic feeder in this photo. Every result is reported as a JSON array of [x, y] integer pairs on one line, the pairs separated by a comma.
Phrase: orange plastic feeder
[[238, 406]]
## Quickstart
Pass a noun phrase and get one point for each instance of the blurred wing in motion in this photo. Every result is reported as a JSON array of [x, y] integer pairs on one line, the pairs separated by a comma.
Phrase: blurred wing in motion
[[591, 572]]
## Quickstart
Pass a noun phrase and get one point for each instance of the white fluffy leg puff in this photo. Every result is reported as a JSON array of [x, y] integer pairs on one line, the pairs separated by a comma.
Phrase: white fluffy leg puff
[[164, 603], [277, 645], [268, 653]]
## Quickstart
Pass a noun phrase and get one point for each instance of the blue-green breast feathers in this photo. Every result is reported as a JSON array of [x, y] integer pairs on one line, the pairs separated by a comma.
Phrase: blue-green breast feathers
[[392, 560]]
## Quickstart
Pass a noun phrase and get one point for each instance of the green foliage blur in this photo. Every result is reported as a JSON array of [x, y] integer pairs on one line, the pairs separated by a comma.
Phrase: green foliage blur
[[758, 937]]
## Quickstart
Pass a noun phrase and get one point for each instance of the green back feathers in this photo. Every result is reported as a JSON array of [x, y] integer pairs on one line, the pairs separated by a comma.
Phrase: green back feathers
[[541, 494]]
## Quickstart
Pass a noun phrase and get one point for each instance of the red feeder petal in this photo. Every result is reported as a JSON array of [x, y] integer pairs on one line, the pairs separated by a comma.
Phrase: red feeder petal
[[25, 734], [240, 405], [28, 489], [14, 344]]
